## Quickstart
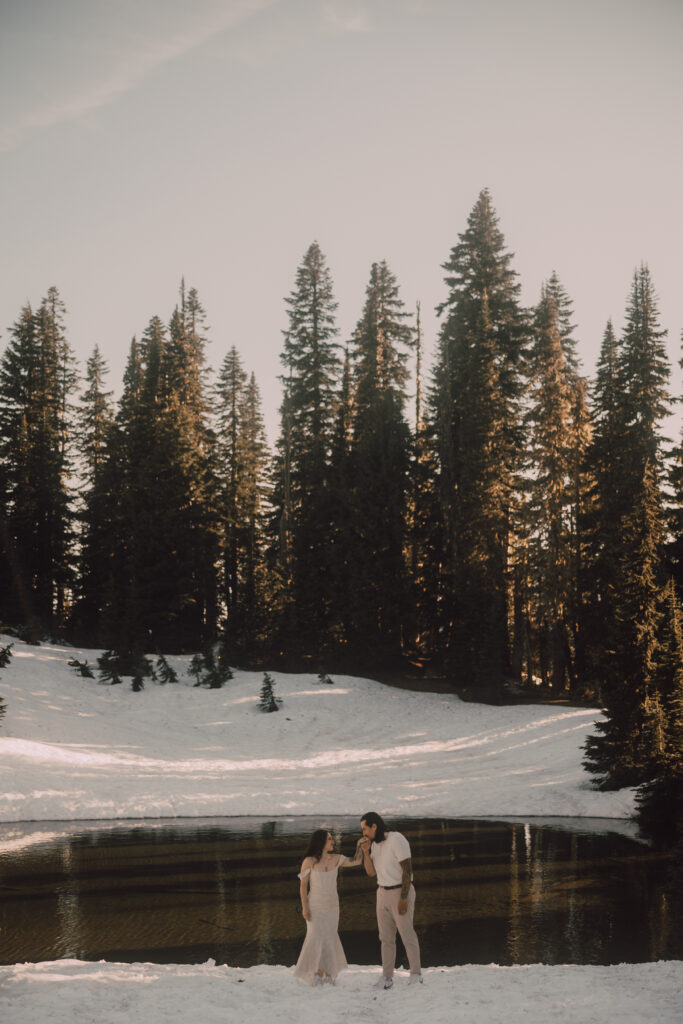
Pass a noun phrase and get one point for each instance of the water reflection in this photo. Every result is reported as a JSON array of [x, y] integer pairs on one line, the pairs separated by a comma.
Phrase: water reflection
[[510, 893]]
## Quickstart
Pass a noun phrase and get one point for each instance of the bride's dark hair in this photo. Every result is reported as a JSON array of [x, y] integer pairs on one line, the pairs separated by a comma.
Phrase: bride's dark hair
[[316, 843]]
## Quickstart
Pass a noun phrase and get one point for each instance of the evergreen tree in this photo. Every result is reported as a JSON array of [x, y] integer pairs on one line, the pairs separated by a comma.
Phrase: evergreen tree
[[581, 484], [555, 291], [549, 508], [633, 543], [379, 460], [36, 384], [243, 464], [6, 655], [163, 583], [196, 668], [229, 391], [96, 415], [146, 566], [268, 702], [604, 458], [660, 798], [112, 541], [311, 368], [188, 412], [95, 423], [252, 618], [82, 667], [423, 521], [164, 672], [210, 667], [109, 668], [675, 517], [340, 584], [478, 389]]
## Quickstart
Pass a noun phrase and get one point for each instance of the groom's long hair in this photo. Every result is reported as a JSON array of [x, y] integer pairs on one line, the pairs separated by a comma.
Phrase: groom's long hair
[[373, 818]]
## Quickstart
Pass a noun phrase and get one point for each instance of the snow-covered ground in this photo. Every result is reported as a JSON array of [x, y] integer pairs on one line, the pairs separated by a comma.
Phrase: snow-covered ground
[[73, 992], [72, 748]]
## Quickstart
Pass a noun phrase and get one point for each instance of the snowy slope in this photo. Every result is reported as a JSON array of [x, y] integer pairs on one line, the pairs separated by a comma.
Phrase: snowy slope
[[73, 748]]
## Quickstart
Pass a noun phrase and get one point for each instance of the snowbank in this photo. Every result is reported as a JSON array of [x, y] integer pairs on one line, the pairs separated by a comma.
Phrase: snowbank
[[68, 991], [73, 748]]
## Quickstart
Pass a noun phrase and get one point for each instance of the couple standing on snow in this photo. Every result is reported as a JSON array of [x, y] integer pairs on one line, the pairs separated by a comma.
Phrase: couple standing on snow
[[386, 856]]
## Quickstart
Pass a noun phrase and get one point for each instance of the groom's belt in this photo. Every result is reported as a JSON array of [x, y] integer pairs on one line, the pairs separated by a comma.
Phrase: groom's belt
[[390, 886]]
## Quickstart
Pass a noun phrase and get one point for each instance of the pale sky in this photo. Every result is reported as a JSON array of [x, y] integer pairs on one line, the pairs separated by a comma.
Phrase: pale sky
[[146, 140]]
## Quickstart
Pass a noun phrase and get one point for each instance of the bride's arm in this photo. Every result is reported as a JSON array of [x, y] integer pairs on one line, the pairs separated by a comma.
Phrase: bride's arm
[[357, 860], [305, 878]]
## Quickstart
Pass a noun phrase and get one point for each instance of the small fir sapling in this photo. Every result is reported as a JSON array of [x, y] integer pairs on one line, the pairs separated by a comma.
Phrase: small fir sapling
[[82, 667], [209, 670], [269, 702], [216, 671], [323, 677], [115, 664], [164, 672], [29, 634], [107, 664], [5, 658], [197, 668], [142, 668]]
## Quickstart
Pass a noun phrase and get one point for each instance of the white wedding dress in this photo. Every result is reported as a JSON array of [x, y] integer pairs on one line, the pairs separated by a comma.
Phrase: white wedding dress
[[322, 949]]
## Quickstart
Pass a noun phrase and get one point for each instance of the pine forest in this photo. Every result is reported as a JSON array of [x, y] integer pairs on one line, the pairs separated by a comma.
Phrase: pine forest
[[497, 519]]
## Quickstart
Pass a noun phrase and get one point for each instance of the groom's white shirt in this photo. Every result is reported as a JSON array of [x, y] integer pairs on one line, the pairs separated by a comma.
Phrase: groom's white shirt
[[387, 856]]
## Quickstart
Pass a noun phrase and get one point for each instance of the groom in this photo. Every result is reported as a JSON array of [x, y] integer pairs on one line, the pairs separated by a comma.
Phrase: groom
[[386, 856]]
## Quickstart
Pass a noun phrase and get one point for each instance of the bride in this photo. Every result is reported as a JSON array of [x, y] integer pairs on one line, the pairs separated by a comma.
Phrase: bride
[[322, 957]]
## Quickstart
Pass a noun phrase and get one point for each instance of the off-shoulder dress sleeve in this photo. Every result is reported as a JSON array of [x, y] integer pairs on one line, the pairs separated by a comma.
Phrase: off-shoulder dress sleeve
[[302, 874]]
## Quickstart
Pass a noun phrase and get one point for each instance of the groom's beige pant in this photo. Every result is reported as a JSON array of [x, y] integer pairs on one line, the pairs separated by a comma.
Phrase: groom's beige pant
[[389, 919]]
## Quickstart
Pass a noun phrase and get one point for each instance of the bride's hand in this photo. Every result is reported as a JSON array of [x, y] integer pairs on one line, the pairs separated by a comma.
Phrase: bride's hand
[[306, 912]]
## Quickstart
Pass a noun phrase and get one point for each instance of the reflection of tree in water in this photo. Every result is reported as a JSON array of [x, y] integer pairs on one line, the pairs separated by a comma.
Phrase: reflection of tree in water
[[669, 925], [71, 925], [221, 923], [515, 927], [263, 928], [576, 919]]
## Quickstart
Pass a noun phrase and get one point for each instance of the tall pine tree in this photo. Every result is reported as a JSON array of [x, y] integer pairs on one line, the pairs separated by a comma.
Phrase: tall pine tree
[[478, 389], [230, 387], [549, 509], [380, 451], [251, 625], [162, 590], [311, 366], [37, 384], [95, 425], [631, 544], [424, 534]]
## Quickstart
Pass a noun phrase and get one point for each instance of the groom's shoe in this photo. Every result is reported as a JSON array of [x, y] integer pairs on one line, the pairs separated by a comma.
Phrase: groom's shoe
[[416, 979], [384, 983]]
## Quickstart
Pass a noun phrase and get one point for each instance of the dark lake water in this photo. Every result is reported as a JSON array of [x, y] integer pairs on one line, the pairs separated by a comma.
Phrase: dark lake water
[[487, 892]]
